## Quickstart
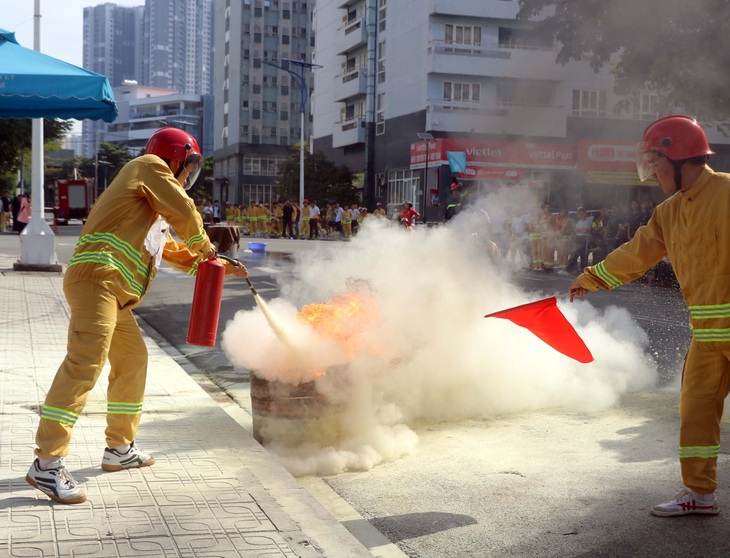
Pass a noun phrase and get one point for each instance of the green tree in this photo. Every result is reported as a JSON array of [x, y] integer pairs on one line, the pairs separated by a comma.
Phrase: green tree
[[323, 180], [16, 137], [677, 49]]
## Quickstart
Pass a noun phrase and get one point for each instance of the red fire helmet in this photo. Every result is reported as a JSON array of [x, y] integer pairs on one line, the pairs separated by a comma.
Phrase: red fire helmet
[[678, 137], [173, 144]]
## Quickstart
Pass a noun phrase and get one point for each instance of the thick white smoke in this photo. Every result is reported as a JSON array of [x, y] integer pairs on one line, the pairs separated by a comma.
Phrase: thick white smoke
[[430, 355]]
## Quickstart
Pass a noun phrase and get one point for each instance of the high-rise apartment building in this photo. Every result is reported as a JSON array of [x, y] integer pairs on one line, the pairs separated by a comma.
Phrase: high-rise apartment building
[[112, 47], [257, 101], [112, 41], [404, 82], [165, 44], [177, 45]]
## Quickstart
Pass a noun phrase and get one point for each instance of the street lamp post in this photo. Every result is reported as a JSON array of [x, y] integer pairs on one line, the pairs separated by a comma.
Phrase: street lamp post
[[301, 82], [426, 137]]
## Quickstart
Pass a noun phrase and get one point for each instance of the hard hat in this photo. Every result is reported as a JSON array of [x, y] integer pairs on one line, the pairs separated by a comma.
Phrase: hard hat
[[455, 186], [677, 136], [379, 204], [173, 144], [305, 201]]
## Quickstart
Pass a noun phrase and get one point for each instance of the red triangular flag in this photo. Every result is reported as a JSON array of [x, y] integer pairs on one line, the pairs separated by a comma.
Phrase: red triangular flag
[[546, 321]]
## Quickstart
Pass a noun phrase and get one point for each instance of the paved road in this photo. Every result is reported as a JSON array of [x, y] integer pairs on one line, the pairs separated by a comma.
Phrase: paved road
[[549, 483]]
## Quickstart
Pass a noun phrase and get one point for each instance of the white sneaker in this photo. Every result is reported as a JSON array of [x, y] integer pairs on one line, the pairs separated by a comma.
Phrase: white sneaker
[[134, 457], [687, 502], [57, 483]]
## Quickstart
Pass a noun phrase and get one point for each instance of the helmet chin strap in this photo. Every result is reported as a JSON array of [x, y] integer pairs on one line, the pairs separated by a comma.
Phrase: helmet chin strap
[[678, 173]]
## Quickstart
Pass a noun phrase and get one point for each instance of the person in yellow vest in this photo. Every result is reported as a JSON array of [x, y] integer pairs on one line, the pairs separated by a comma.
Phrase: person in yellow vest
[[347, 223], [279, 217], [379, 212], [266, 220], [329, 221], [253, 219], [230, 213], [566, 233], [243, 218], [304, 232], [126, 236], [547, 237]]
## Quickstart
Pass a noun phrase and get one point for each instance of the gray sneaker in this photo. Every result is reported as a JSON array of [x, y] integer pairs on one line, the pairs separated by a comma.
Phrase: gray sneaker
[[687, 502], [134, 457], [57, 483]]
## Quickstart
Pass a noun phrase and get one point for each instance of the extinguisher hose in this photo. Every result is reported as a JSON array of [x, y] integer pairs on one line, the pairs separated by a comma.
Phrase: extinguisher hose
[[237, 263]]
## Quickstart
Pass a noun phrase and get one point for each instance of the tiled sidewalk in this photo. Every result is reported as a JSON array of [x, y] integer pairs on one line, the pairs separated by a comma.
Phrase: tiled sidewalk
[[213, 490]]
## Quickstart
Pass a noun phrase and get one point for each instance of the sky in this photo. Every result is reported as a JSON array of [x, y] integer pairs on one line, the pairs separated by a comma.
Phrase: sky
[[62, 31]]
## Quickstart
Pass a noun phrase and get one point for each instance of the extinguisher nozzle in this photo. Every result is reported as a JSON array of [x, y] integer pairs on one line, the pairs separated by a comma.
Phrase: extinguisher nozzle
[[250, 286]]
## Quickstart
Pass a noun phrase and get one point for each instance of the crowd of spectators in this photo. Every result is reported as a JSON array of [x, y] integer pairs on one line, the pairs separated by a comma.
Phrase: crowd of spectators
[[565, 242]]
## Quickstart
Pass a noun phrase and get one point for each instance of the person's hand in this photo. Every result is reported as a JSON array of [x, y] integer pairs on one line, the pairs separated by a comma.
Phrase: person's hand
[[211, 255], [240, 270], [576, 290]]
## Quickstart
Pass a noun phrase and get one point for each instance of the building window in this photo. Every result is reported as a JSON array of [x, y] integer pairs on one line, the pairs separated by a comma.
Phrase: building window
[[462, 34], [462, 92], [380, 114], [590, 104], [381, 61], [523, 38], [381, 15], [264, 165], [511, 94], [403, 186], [645, 106]]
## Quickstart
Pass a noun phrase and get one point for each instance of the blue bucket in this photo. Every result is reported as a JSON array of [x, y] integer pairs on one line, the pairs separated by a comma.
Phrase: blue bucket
[[257, 246]]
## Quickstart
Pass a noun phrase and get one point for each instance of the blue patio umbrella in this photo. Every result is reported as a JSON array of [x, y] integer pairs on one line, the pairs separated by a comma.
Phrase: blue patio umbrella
[[34, 85]]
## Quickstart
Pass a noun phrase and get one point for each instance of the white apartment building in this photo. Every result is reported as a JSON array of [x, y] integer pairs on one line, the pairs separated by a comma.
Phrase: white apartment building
[[143, 110], [257, 101], [478, 81]]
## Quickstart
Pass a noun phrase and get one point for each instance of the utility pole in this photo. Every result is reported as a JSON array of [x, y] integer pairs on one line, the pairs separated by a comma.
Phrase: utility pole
[[301, 82]]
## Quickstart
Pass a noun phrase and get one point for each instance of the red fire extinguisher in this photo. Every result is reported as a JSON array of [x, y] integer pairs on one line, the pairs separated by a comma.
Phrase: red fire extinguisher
[[205, 311]]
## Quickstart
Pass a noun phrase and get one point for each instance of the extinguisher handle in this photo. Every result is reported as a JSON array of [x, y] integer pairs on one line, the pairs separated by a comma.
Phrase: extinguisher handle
[[227, 259], [237, 263]]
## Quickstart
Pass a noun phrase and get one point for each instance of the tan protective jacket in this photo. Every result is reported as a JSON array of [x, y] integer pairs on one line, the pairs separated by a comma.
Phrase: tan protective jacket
[[128, 232], [693, 229]]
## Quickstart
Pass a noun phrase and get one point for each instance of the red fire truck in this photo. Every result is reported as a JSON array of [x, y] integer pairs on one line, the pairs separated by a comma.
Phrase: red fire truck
[[74, 199]]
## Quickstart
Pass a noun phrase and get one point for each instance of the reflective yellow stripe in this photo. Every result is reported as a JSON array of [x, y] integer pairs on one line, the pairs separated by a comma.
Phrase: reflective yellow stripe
[[106, 258], [197, 238], [118, 244], [605, 276], [121, 408], [704, 452], [709, 335], [710, 311], [59, 415]]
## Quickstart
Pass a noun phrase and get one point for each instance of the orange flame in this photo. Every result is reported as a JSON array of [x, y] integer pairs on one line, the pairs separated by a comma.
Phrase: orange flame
[[342, 318]]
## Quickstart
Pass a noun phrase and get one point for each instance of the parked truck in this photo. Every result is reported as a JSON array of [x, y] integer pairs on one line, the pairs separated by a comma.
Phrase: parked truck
[[73, 199]]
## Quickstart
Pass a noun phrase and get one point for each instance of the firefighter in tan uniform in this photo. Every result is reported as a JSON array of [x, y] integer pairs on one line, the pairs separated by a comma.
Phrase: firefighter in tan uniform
[[304, 232], [126, 236], [692, 228]]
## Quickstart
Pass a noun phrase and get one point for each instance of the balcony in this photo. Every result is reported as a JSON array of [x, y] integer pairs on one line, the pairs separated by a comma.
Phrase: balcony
[[452, 116], [353, 36], [494, 60], [498, 9], [349, 132], [350, 84]]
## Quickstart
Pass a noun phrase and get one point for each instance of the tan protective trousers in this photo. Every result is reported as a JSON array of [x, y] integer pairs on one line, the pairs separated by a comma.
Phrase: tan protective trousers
[[98, 329], [705, 384]]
